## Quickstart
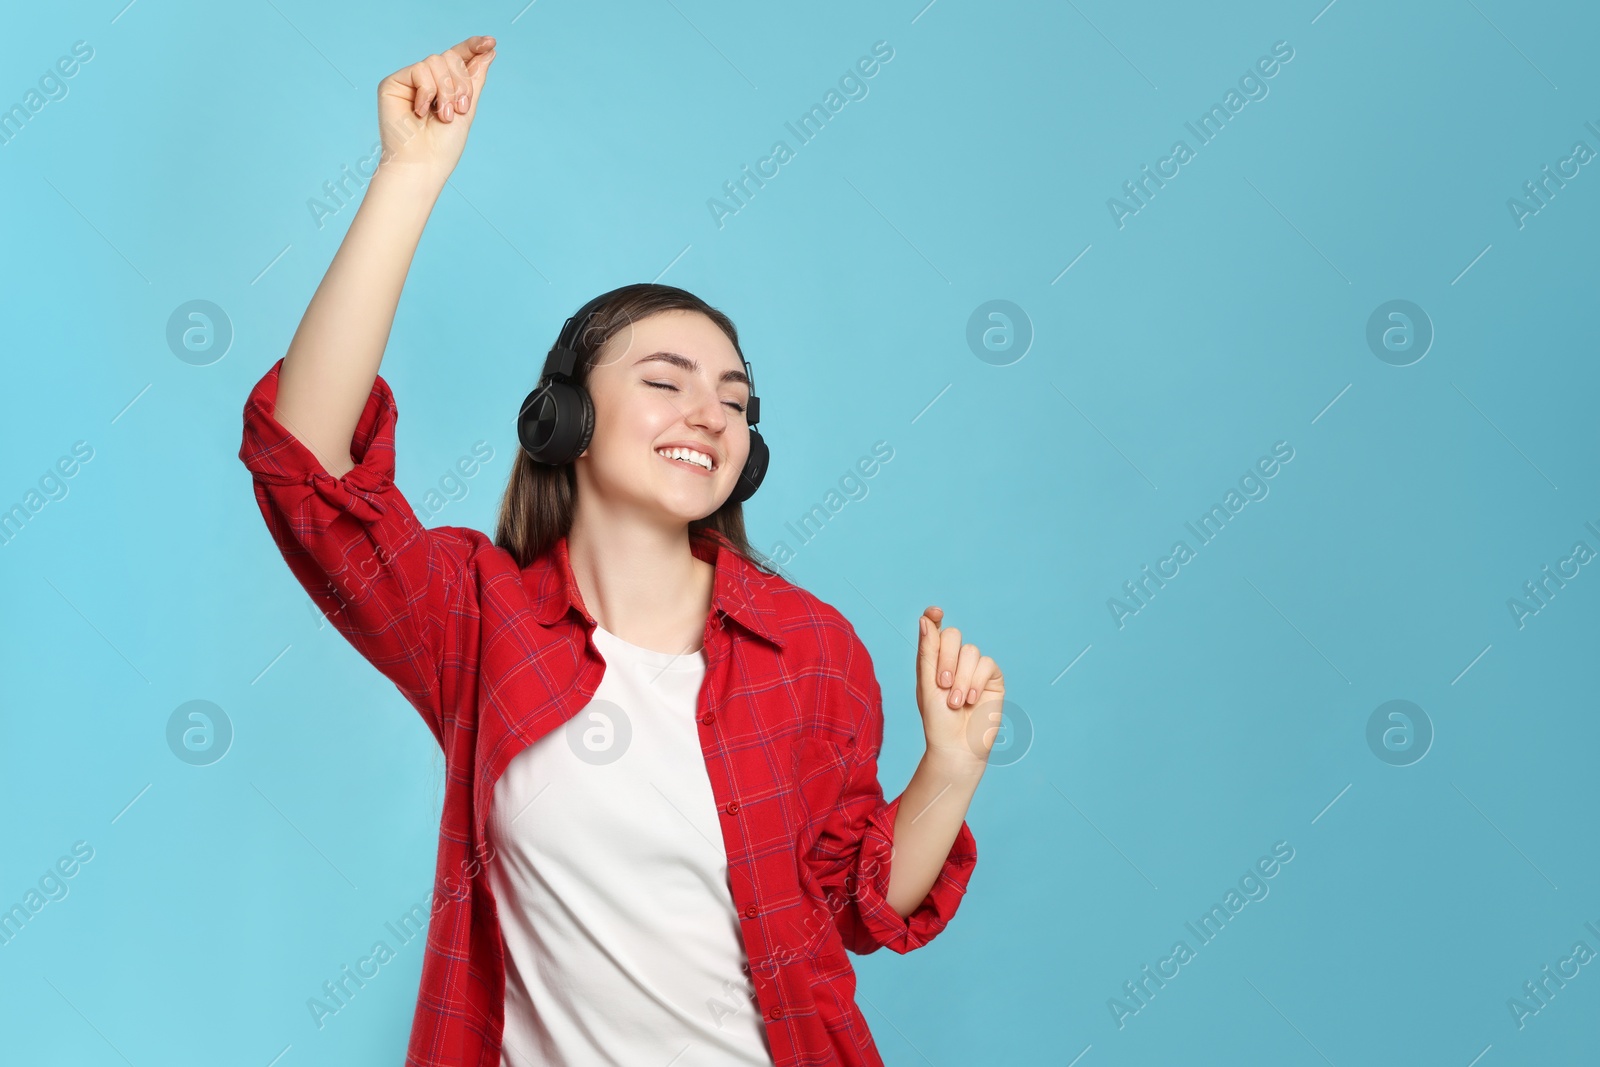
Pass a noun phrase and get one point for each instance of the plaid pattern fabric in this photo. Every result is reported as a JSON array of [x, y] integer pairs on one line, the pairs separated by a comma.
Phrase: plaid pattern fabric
[[493, 657]]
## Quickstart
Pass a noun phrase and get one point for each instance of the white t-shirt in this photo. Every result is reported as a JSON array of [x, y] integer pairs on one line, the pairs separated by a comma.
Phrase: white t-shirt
[[611, 880]]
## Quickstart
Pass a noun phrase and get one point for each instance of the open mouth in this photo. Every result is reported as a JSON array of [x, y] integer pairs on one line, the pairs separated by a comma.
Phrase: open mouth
[[688, 457]]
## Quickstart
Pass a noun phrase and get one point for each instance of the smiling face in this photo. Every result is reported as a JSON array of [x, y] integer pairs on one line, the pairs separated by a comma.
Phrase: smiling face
[[669, 382]]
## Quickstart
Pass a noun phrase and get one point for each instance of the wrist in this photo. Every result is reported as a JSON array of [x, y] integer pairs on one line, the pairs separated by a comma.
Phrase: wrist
[[408, 179], [398, 202], [959, 769]]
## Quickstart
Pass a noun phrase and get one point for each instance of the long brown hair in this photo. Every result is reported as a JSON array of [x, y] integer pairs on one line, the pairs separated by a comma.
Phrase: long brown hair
[[539, 501]]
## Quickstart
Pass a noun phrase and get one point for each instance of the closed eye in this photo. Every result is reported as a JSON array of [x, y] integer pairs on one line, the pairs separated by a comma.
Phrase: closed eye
[[734, 404]]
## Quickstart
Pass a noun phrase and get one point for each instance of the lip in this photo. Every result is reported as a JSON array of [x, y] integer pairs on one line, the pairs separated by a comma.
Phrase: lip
[[716, 460]]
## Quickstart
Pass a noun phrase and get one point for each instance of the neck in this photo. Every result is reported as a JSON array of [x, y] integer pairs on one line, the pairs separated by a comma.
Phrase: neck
[[641, 581]]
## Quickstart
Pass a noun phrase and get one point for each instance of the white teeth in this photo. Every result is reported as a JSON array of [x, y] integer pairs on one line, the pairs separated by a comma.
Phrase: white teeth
[[687, 454]]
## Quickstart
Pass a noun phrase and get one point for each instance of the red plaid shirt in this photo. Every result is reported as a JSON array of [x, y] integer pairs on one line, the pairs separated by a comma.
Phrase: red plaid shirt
[[494, 657]]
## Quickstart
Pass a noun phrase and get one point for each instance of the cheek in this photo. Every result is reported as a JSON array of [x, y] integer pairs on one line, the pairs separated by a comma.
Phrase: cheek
[[633, 426], [739, 449]]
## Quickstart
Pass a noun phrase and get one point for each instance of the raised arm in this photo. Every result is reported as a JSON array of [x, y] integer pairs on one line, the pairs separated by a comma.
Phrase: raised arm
[[424, 113], [319, 427]]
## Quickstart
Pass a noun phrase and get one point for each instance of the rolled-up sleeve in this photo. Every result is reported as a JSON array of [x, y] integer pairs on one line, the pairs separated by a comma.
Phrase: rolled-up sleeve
[[853, 854], [399, 593]]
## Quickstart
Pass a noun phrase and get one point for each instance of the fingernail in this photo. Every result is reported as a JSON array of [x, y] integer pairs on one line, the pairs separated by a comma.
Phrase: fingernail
[[944, 679], [972, 696], [461, 102]]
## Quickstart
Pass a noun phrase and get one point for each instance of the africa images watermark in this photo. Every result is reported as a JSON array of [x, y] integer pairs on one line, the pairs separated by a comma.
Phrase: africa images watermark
[[53, 885], [852, 84], [813, 521], [52, 87], [339, 193], [1539, 591], [1540, 192], [1210, 524], [52, 486], [1252, 888], [1537, 993], [342, 192], [1252, 83], [338, 992]]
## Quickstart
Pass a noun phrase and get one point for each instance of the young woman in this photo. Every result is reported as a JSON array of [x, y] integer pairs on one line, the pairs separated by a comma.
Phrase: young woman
[[662, 825]]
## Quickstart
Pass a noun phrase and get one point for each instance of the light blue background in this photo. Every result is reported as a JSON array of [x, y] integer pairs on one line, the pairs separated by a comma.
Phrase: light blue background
[[1229, 314]]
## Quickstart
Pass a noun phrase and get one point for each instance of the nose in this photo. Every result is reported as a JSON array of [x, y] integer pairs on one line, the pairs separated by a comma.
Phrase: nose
[[705, 410]]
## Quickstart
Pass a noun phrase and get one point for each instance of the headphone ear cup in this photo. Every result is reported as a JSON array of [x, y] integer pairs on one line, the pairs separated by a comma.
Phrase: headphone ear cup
[[556, 423], [755, 468]]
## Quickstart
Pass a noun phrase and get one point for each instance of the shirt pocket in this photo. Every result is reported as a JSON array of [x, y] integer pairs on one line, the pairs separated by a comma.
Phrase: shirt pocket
[[821, 768]]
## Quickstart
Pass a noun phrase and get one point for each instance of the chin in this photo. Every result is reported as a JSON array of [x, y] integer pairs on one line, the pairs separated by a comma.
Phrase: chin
[[687, 511]]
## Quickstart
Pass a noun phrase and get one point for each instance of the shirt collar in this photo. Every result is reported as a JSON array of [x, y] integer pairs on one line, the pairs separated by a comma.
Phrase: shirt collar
[[738, 588]]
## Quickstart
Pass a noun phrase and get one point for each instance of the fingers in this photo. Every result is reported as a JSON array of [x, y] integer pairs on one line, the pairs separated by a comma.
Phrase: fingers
[[939, 655], [448, 83], [454, 84], [938, 652], [470, 59], [460, 83], [928, 653], [949, 655], [478, 68], [447, 87], [425, 91], [956, 667], [986, 674], [966, 663], [472, 47]]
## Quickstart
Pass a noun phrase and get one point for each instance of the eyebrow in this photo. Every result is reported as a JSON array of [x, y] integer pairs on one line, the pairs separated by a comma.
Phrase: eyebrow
[[692, 366]]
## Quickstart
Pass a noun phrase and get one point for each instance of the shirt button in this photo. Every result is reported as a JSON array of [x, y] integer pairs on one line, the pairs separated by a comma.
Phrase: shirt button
[[775, 1013], [750, 911], [732, 807], [708, 718]]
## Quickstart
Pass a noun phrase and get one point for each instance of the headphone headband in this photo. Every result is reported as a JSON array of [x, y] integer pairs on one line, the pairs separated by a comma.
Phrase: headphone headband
[[562, 361]]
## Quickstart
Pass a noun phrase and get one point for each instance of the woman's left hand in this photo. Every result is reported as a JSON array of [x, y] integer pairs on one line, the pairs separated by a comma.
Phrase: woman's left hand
[[959, 692]]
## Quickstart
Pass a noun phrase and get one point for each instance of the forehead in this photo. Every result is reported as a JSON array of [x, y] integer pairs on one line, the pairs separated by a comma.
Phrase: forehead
[[686, 333]]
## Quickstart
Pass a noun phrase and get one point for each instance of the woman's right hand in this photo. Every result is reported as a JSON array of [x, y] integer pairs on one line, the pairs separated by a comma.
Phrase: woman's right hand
[[426, 109]]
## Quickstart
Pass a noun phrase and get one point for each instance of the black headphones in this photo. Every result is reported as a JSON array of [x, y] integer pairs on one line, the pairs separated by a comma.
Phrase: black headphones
[[557, 418]]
